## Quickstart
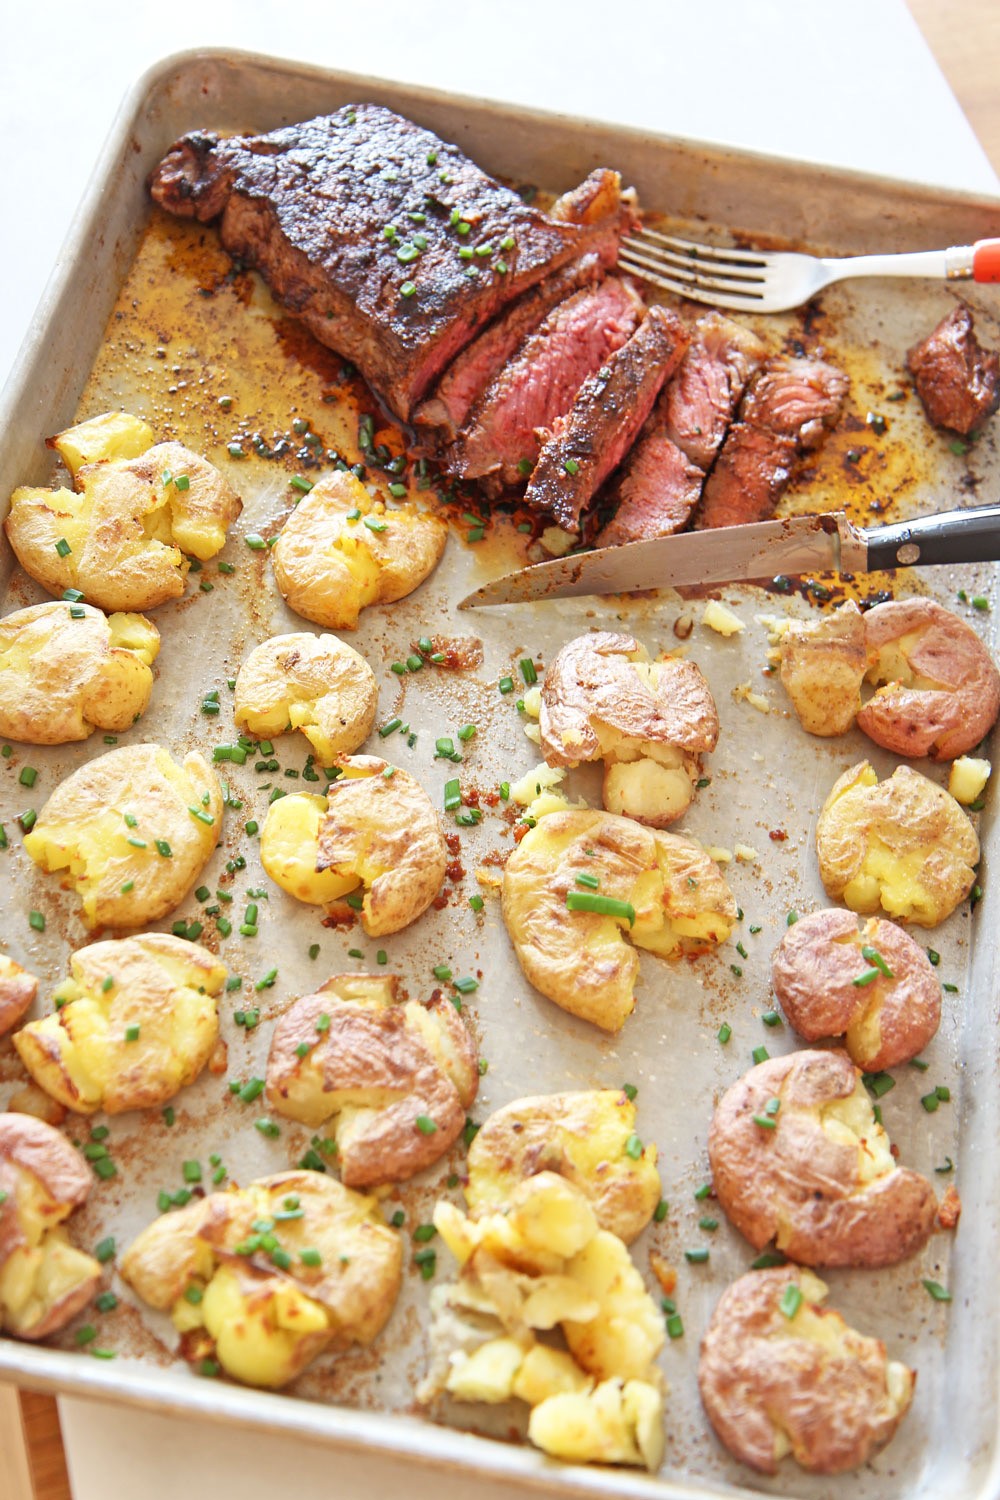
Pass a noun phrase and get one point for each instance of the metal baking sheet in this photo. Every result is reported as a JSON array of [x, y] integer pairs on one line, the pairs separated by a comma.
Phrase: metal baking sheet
[[143, 314]]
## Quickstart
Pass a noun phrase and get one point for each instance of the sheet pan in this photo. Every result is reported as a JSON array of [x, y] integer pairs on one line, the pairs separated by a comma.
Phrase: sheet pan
[[125, 323]]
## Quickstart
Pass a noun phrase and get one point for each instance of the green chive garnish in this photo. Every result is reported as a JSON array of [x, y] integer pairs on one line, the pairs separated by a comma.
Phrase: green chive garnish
[[791, 1300], [605, 906]]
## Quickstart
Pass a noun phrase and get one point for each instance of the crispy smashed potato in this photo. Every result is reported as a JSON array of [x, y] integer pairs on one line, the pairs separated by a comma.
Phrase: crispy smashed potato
[[132, 830], [265, 1278], [580, 958], [822, 668], [589, 1138], [376, 826], [44, 1280], [937, 690], [135, 1024], [649, 721], [314, 683], [539, 1263], [818, 1175], [340, 551], [18, 989], [874, 986], [903, 844], [68, 669], [121, 534], [400, 1078], [780, 1374]]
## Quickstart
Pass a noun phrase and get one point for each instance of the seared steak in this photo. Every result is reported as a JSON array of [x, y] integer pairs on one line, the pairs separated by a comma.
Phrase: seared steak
[[657, 489], [539, 384], [957, 380], [600, 427], [787, 407], [389, 244]]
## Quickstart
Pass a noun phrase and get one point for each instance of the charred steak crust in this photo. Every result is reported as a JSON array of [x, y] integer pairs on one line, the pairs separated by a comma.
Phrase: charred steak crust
[[357, 219], [957, 380], [600, 427]]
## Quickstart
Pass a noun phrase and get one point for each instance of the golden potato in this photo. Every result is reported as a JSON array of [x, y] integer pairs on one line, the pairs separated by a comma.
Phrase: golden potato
[[779, 1373], [399, 1078], [18, 989], [121, 534], [619, 1422], [132, 830], [673, 898], [68, 669], [314, 683], [904, 845], [113, 435], [340, 551], [44, 1279], [818, 1175], [269, 1276], [135, 1024], [937, 690], [967, 779], [822, 668], [375, 826], [649, 721], [874, 986], [582, 1137]]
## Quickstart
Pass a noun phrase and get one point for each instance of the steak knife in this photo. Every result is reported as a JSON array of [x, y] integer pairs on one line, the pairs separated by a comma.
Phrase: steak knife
[[755, 553]]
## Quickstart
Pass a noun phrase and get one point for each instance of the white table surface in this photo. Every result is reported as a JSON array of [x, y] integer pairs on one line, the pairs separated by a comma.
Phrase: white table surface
[[856, 87]]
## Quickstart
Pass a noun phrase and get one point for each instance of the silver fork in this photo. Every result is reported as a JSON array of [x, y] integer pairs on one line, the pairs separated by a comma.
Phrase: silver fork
[[772, 281]]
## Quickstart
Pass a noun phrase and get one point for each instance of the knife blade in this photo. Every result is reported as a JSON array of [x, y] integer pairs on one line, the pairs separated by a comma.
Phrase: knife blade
[[760, 551]]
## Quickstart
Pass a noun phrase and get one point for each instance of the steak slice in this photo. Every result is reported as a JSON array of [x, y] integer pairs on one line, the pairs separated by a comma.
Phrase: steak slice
[[539, 384], [657, 489], [610, 408], [957, 380], [482, 361], [787, 408], [698, 404], [356, 221]]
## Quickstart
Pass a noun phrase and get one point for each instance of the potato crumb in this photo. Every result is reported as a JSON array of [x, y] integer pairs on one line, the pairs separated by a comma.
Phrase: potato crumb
[[540, 778], [721, 856], [720, 618], [745, 854], [490, 880], [743, 692], [967, 779], [556, 541], [663, 1271], [533, 733]]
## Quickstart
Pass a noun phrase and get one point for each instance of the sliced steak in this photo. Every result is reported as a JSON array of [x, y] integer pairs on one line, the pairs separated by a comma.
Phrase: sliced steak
[[698, 404], [539, 384], [597, 200], [356, 220], [957, 380], [482, 361], [600, 427], [788, 406], [657, 490]]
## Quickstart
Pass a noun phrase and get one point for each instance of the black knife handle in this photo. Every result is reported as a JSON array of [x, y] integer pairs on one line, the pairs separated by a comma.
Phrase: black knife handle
[[951, 536]]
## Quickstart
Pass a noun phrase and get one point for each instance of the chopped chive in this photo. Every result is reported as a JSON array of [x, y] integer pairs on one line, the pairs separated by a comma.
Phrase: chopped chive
[[442, 972], [771, 1018], [791, 1300], [661, 1210], [106, 1302], [36, 921], [389, 728], [760, 1054], [937, 1291], [27, 820], [28, 776], [250, 1090], [791, 919], [696, 1257], [766, 1122], [703, 1192], [63, 547], [105, 1249], [267, 1127], [725, 1032], [633, 1147], [878, 1083], [310, 1257], [477, 903], [571, 466], [131, 1033], [867, 977], [591, 882], [767, 1260], [254, 542], [874, 957], [467, 985], [709, 1225], [528, 671], [506, 684], [425, 1125], [607, 906]]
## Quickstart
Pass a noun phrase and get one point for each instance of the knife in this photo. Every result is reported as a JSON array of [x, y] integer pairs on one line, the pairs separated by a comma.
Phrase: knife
[[760, 551]]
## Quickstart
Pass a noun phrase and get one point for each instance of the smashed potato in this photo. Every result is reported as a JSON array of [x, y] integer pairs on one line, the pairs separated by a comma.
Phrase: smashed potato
[[649, 721], [779, 1373], [265, 1278], [874, 986], [588, 1137], [68, 669], [18, 989], [134, 1024], [937, 690], [672, 900], [376, 826], [314, 683], [903, 844], [132, 830], [400, 1078], [44, 1279], [121, 534], [539, 1263], [798, 1156], [822, 667], [340, 551]]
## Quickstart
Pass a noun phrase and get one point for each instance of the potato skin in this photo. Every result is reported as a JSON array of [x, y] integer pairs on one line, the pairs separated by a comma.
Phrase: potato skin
[[932, 847], [822, 668], [18, 989], [798, 1185], [757, 1369], [886, 1022], [955, 699], [317, 684]]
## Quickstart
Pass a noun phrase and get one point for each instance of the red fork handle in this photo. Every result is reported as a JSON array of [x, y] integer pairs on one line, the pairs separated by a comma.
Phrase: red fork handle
[[986, 260]]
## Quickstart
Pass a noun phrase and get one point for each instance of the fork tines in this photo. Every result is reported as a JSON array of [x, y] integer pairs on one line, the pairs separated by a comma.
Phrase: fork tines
[[729, 277]]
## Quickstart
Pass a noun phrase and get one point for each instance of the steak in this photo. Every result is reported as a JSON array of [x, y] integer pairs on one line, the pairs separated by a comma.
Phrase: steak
[[788, 406], [957, 380], [501, 438], [657, 490], [600, 427], [390, 245]]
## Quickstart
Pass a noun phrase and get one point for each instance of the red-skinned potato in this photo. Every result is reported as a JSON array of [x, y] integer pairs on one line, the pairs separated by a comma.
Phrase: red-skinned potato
[[823, 665], [18, 989]]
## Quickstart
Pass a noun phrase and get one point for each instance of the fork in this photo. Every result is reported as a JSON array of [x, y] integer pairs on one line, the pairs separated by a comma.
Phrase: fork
[[773, 281]]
